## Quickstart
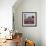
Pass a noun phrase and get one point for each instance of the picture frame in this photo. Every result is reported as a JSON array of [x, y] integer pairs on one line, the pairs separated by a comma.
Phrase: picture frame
[[29, 19]]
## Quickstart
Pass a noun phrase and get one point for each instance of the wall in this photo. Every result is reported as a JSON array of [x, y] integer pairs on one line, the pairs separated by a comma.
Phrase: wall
[[43, 22], [6, 16], [33, 33], [6, 13], [38, 34]]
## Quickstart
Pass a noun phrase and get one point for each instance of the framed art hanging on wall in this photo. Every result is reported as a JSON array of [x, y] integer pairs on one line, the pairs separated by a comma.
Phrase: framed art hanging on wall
[[29, 19]]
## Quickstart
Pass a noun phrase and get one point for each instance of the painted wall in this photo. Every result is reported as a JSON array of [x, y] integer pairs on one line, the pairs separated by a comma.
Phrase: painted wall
[[6, 13], [33, 33], [6, 16], [43, 22]]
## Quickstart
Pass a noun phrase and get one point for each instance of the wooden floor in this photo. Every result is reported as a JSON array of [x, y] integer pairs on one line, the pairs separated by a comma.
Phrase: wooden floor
[[9, 43]]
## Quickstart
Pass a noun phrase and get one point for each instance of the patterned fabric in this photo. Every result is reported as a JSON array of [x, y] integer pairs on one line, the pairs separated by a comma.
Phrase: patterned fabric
[[29, 43]]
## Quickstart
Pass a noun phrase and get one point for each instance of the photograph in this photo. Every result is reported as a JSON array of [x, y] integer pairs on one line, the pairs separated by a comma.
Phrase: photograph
[[29, 18]]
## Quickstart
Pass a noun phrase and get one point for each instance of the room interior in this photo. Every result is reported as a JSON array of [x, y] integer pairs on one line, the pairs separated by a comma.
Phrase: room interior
[[13, 31]]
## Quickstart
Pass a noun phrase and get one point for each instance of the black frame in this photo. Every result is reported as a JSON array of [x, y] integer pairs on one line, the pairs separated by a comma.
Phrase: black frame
[[35, 19]]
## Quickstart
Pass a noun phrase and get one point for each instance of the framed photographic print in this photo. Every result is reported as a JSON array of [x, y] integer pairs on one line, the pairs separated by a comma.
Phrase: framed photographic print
[[29, 19]]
